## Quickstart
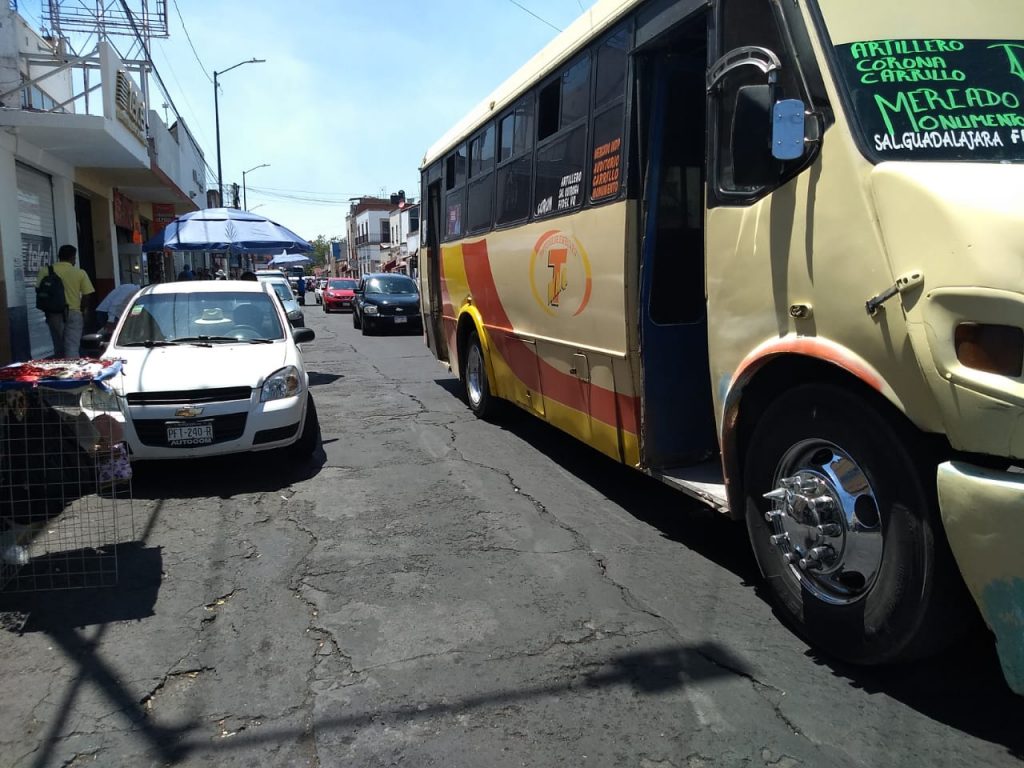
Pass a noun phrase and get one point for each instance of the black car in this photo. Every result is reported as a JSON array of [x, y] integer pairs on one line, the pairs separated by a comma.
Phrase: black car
[[386, 300]]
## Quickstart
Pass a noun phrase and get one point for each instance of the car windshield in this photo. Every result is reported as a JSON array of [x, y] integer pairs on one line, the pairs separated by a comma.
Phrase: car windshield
[[342, 285], [282, 289], [394, 285], [158, 318]]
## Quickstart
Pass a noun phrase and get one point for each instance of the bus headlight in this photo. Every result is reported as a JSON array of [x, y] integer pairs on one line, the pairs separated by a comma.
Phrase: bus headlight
[[992, 348]]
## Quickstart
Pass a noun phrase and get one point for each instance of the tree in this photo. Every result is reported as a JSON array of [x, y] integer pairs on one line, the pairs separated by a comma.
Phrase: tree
[[322, 250]]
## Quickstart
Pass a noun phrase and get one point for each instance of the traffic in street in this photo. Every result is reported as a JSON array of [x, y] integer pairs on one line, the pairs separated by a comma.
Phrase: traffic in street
[[436, 589]]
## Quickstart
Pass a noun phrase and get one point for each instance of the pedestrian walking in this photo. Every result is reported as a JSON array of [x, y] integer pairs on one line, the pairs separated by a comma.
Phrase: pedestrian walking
[[66, 325]]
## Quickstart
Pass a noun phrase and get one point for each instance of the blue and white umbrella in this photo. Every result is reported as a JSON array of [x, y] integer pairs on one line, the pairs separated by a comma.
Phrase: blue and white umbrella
[[226, 229], [289, 258]]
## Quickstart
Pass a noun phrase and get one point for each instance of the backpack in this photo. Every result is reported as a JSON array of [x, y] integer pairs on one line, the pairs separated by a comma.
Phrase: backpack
[[50, 297]]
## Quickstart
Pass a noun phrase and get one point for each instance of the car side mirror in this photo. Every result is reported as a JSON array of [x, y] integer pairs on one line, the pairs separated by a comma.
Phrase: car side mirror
[[303, 335], [93, 344]]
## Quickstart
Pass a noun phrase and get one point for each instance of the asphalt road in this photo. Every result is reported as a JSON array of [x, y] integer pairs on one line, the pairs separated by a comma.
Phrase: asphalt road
[[435, 590]]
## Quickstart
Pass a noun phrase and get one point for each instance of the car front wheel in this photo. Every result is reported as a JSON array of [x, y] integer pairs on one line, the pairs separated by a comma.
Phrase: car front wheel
[[309, 441], [356, 323]]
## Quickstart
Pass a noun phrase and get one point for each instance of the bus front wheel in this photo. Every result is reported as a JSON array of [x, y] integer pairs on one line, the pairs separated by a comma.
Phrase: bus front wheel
[[841, 515], [474, 379]]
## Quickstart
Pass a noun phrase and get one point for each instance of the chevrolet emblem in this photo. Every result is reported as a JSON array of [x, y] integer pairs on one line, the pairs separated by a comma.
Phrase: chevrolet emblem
[[399, 310], [189, 411]]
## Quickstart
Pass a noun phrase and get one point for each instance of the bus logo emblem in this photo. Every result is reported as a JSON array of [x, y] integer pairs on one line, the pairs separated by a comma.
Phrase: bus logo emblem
[[560, 276]]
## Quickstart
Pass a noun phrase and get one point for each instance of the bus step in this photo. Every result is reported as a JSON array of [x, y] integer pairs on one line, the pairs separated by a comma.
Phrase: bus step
[[701, 481]]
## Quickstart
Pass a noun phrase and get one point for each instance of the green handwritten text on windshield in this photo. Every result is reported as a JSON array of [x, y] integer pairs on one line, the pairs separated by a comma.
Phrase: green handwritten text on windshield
[[938, 98]]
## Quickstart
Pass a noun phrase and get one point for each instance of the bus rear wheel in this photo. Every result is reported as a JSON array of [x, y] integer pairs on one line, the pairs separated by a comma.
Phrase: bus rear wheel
[[842, 518], [474, 379]]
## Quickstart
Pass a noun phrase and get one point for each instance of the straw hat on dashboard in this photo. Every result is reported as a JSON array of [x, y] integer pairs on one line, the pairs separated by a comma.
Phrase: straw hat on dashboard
[[212, 316]]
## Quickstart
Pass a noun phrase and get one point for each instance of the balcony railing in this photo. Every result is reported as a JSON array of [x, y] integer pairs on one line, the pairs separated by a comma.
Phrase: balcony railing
[[373, 239]]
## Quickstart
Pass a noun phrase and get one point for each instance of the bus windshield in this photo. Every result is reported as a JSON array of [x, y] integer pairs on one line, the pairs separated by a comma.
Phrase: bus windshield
[[937, 99]]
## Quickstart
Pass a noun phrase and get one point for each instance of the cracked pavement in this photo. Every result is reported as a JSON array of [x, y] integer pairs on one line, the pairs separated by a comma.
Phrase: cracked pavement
[[439, 590]]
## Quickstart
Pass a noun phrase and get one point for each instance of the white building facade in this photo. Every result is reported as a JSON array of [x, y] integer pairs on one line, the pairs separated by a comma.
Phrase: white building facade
[[92, 166]]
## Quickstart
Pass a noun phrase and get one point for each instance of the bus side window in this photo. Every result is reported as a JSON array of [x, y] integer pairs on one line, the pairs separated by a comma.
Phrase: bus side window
[[607, 125], [515, 162], [455, 193], [743, 164], [562, 109], [480, 197]]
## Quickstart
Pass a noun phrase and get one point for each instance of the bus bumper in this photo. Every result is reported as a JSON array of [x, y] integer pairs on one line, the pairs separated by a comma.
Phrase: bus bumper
[[983, 514]]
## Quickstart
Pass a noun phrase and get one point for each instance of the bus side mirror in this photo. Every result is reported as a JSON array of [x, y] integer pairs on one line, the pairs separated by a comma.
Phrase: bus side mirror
[[751, 140], [788, 129]]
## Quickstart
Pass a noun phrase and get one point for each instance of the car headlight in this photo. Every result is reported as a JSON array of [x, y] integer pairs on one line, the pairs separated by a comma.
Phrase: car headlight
[[370, 309], [294, 313], [282, 383]]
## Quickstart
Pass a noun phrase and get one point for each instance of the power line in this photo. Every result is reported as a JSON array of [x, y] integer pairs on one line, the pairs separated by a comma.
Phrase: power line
[[190, 45], [523, 7]]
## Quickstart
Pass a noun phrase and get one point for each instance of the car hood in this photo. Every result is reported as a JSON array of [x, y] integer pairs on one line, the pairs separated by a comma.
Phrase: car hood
[[392, 299], [344, 293], [193, 367]]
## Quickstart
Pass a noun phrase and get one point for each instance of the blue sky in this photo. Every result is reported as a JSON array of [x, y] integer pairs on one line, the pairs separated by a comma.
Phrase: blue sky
[[351, 95]]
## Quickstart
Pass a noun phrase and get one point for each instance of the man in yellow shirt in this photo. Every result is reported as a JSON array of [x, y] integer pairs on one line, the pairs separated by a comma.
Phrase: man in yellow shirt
[[66, 327]]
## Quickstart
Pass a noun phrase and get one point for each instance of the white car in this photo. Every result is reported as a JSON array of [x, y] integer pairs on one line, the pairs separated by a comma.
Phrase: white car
[[318, 290], [210, 367], [284, 291]]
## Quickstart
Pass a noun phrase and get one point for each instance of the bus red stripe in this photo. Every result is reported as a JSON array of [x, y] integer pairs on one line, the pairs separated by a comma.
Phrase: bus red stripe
[[604, 404]]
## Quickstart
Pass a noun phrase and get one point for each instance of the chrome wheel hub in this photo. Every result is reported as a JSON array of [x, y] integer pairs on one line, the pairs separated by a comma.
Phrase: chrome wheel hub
[[824, 522], [475, 375]]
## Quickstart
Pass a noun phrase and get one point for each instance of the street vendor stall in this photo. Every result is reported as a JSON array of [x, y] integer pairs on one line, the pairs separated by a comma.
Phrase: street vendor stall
[[65, 476]]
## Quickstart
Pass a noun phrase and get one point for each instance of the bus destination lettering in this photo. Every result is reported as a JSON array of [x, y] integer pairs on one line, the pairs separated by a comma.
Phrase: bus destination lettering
[[605, 177], [942, 97], [569, 190]]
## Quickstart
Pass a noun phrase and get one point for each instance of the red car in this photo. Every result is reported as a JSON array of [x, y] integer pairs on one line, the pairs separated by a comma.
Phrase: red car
[[339, 294]]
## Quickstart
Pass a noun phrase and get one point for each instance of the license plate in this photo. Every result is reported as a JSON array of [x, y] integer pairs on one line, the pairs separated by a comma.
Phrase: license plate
[[401, 319], [190, 434]]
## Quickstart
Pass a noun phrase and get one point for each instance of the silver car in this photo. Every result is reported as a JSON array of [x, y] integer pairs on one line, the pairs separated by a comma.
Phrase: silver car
[[283, 289]]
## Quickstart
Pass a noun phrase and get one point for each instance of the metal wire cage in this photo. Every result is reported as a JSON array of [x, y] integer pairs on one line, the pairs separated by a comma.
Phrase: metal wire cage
[[65, 477]]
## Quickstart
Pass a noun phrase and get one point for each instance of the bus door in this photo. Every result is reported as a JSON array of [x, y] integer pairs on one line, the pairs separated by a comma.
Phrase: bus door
[[678, 412], [432, 308]]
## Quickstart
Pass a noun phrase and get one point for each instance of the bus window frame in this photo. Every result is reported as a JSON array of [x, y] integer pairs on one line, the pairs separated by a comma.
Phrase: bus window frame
[[457, 188], [528, 97], [623, 101], [483, 176], [564, 132]]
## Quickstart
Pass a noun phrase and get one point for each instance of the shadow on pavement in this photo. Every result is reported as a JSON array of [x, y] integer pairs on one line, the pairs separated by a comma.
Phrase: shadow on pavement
[[963, 687], [645, 673], [139, 571], [63, 615], [317, 379], [222, 476]]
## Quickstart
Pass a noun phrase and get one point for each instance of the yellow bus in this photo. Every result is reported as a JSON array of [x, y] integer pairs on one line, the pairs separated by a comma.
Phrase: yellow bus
[[772, 253]]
